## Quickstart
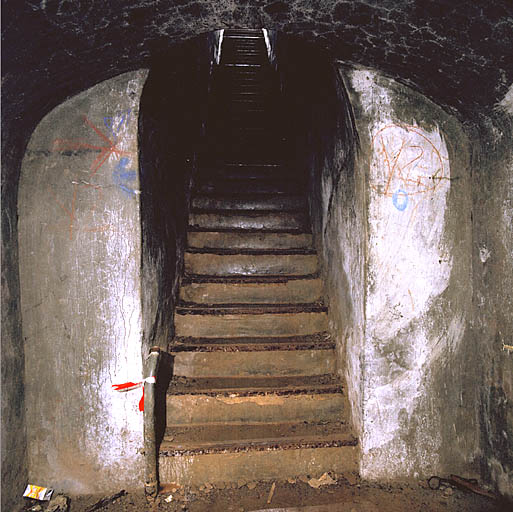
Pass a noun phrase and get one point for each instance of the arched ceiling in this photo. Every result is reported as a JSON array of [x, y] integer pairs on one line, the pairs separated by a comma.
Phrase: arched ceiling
[[457, 52]]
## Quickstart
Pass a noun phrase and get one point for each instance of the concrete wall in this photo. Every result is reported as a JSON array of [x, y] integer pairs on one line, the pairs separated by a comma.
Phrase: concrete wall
[[412, 214], [419, 364], [492, 313], [14, 438], [391, 209], [173, 113], [79, 250], [326, 142]]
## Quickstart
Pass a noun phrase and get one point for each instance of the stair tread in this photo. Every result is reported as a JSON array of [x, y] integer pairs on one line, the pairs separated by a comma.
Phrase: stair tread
[[234, 212], [250, 344], [286, 205], [233, 438], [250, 386], [248, 309], [249, 230], [320, 337], [203, 278], [252, 252]]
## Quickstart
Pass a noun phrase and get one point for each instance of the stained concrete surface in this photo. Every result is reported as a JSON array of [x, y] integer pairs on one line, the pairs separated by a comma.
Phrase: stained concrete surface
[[417, 286], [492, 250], [79, 233], [401, 287]]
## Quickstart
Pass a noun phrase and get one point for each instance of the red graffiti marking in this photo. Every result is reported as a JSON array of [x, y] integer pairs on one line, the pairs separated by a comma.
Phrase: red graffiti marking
[[71, 210], [105, 151]]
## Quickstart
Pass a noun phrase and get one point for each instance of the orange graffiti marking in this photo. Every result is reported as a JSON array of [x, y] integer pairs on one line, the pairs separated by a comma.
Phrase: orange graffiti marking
[[105, 151], [410, 183]]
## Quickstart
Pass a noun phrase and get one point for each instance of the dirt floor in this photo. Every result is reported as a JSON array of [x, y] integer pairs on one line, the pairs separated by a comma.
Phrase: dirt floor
[[336, 495]]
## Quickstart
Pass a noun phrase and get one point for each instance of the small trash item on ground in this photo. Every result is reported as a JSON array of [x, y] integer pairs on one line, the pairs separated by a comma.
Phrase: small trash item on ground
[[59, 503], [36, 492], [105, 501], [325, 479], [271, 493], [169, 499]]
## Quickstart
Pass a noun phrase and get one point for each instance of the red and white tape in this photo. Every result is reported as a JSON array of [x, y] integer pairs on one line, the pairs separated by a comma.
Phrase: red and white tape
[[130, 386]]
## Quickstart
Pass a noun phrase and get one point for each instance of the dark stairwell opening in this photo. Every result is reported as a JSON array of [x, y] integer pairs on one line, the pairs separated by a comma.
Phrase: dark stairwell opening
[[234, 284]]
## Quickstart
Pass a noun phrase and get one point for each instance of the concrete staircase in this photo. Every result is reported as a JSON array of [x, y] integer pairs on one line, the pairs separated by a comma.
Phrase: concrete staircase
[[254, 394]]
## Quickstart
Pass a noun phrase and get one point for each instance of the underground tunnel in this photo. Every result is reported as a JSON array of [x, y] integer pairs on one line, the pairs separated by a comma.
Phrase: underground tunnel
[[313, 219]]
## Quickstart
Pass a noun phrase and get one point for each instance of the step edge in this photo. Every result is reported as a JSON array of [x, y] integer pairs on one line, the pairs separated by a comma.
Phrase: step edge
[[249, 347], [335, 389], [262, 445], [204, 278], [251, 252], [249, 309]]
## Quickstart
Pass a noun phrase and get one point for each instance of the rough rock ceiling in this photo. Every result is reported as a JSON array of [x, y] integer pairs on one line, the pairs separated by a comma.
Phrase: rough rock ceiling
[[457, 52]]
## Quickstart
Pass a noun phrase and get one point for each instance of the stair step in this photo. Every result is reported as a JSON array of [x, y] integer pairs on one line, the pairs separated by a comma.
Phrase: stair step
[[252, 452], [233, 219], [249, 187], [242, 57], [319, 340], [251, 240], [292, 291], [247, 172], [250, 265], [269, 464], [248, 405], [246, 309], [281, 203], [234, 65], [256, 436], [251, 386], [215, 363], [247, 325]]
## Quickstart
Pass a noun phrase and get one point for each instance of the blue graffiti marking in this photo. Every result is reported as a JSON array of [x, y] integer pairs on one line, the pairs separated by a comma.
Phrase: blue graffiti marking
[[121, 176], [116, 122], [400, 199]]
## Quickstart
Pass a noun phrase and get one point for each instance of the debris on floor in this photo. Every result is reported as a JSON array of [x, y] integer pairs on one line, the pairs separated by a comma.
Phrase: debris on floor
[[297, 495], [59, 503], [106, 501], [271, 493], [325, 479]]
